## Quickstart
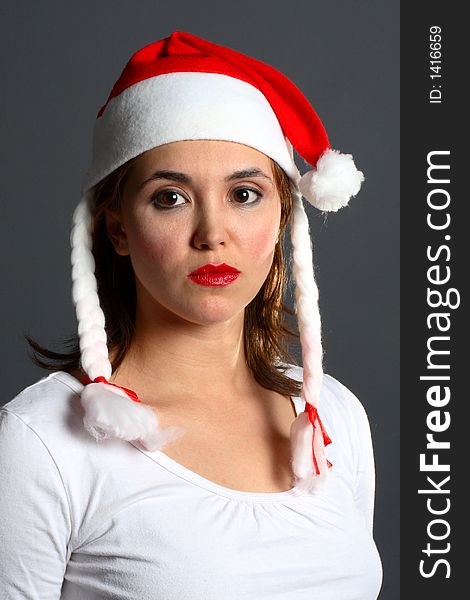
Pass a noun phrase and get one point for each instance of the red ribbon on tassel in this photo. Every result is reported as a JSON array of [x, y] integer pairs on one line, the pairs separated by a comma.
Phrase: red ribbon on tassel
[[313, 416], [132, 395]]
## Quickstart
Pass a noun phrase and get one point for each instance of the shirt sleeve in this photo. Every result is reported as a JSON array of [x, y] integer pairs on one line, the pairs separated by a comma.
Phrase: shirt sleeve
[[364, 496], [35, 525]]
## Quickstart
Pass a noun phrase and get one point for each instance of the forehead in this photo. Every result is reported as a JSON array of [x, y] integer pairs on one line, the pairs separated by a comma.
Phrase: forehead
[[209, 156]]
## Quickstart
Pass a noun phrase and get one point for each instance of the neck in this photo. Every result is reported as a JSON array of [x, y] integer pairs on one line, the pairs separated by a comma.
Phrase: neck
[[170, 358]]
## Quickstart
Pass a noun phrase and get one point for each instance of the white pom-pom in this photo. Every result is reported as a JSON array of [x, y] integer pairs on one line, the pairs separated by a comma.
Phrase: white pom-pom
[[334, 181], [301, 439], [110, 413]]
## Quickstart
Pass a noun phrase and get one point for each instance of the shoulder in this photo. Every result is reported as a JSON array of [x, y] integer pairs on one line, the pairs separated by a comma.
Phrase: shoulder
[[42, 431], [48, 409], [47, 455], [339, 397], [44, 401]]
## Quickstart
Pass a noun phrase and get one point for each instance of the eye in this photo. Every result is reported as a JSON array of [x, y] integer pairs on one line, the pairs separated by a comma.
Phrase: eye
[[247, 196], [165, 199]]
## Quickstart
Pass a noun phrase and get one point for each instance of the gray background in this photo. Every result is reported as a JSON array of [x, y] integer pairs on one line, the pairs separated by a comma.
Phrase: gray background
[[59, 62]]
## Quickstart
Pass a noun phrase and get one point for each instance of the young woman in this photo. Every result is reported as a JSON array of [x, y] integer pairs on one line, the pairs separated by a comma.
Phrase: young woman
[[177, 451]]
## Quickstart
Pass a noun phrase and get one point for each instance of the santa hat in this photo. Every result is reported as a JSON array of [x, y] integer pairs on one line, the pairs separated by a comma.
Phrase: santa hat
[[185, 88]]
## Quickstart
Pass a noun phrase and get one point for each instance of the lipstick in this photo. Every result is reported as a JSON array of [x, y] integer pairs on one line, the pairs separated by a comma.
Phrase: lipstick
[[214, 274]]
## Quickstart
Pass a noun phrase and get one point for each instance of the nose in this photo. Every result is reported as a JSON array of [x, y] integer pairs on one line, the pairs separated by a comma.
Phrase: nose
[[210, 230]]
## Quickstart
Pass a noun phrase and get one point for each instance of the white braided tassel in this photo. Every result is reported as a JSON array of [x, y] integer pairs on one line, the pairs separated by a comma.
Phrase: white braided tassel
[[309, 461], [91, 331], [109, 411]]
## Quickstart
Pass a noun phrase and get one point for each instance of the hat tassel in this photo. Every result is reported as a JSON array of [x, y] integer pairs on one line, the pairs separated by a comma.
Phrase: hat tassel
[[308, 435]]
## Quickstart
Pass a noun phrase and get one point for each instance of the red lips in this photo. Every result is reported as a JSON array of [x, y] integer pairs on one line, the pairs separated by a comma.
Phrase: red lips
[[214, 275]]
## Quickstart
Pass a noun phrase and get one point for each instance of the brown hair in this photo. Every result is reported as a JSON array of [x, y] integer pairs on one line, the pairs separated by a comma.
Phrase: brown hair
[[266, 334]]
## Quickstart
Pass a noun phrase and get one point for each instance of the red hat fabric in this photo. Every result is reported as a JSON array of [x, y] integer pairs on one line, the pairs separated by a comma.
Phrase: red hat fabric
[[184, 52]]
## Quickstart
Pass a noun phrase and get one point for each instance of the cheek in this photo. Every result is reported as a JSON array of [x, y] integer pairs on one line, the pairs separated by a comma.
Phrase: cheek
[[153, 247], [261, 241]]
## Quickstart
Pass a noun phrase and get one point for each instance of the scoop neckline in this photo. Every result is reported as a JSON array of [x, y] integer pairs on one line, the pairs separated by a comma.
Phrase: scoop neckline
[[194, 478]]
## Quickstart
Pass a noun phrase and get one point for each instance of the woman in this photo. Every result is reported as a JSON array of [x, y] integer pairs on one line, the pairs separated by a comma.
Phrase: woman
[[178, 279]]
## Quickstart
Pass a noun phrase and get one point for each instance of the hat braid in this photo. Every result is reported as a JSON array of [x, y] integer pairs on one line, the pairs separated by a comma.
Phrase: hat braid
[[91, 321], [307, 307], [308, 437]]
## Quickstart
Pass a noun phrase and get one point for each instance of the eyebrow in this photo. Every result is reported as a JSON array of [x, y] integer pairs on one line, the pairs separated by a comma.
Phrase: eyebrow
[[183, 178]]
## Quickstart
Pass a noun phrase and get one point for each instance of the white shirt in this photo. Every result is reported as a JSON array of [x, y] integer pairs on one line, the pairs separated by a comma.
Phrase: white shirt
[[87, 520]]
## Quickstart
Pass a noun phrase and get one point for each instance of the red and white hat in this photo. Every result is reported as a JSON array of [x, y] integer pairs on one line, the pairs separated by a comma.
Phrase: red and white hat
[[185, 88]]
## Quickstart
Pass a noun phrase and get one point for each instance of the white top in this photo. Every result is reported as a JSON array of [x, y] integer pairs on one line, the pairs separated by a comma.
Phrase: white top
[[82, 520]]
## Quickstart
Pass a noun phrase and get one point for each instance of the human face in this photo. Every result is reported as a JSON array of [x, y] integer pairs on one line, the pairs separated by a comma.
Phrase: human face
[[171, 225]]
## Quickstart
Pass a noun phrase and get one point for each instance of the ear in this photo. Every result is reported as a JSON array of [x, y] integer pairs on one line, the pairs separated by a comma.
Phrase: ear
[[116, 232]]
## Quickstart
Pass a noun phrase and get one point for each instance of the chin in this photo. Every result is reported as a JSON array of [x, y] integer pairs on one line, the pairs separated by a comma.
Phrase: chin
[[213, 312], [203, 309]]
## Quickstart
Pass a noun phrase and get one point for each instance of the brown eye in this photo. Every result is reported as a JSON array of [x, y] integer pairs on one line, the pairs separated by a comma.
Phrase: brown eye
[[165, 199], [247, 196]]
